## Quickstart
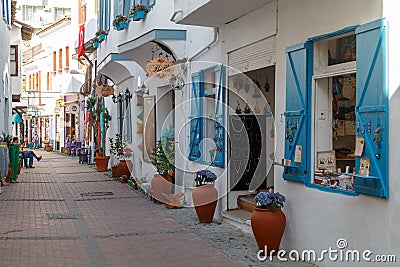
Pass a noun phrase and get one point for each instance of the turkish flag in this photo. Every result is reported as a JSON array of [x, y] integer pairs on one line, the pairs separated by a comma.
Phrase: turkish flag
[[81, 40]]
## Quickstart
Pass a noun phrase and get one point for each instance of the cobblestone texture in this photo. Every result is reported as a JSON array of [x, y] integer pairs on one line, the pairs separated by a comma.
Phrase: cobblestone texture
[[48, 219]]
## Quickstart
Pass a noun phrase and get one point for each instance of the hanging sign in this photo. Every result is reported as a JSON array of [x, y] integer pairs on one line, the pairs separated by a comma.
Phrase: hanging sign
[[160, 68], [104, 90], [26, 116], [73, 109]]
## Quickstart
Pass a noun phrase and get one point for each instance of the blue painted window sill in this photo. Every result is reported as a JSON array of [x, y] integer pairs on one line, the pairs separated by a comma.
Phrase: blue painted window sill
[[332, 190]]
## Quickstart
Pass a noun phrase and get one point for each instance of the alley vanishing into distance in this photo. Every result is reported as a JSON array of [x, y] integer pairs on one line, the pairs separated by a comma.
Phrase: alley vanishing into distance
[[63, 213], [66, 214]]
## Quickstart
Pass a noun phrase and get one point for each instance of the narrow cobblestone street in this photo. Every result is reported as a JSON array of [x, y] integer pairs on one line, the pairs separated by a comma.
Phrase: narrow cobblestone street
[[66, 214]]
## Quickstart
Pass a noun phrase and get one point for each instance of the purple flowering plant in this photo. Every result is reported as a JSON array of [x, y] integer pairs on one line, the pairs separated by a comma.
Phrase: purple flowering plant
[[269, 200], [205, 177]]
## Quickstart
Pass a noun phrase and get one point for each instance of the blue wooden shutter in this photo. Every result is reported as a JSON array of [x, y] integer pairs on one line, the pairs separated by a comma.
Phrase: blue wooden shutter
[[219, 138], [372, 107], [196, 120], [297, 117], [127, 6]]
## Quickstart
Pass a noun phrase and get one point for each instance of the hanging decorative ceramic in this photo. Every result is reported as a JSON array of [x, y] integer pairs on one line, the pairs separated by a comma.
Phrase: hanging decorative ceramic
[[256, 108], [267, 87], [247, 87], [267, 110], [247, 109], [238, 108], [238, 83], [140, 116]]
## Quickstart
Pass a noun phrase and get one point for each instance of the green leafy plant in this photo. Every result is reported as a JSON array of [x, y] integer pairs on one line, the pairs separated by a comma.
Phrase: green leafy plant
[[6, 138], [96, 111], [119, 149], [162, 160]]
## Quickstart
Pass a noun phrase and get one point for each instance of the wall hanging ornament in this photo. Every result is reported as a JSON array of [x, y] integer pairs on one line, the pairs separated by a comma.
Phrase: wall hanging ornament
[[238, 108], [267, 87], [256, 108], [247, 87], [139, 127], [238, 83], [247, 109]]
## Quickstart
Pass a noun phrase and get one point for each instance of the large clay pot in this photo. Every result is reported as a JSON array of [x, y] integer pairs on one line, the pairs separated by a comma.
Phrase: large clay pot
[[205, 199], [268, 227], [8, 177], [159, 185], [115, 171], [102, 163], [48, 147], [125, 167]]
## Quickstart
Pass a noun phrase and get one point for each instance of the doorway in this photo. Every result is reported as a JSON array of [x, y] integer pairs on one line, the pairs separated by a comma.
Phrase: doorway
[[251, 133]]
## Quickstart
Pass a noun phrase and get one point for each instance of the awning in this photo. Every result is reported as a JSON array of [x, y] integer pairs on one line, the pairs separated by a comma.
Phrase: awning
[[117, 67], [140, 49], [16, 118]]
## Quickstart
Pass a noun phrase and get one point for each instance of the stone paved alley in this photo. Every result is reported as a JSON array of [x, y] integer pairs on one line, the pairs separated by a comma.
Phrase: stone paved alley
[[49, 219]]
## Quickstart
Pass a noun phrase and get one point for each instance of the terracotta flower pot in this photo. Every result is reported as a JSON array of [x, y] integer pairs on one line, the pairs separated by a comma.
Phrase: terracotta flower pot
[[205, 199], [102, 163], [48, 148], [8, 177], [125, 167], [159, 185], [268, 227], [115, 171]]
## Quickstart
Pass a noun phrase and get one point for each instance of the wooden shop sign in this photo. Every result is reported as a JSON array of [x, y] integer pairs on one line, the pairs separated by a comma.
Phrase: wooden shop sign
[[160, 68], [104, 90]]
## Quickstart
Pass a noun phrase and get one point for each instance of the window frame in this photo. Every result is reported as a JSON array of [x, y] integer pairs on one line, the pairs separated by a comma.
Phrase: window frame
[[14, 73], [372, 103], [201, 102]]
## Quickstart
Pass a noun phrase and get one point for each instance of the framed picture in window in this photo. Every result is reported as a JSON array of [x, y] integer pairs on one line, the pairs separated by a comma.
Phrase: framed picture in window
[[326, 160]]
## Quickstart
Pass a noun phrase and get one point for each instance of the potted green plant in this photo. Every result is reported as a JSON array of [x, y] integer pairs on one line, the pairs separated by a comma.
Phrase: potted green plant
[[205, 196], [138, 12], [120, 22], [101, 34], [96, 112], [121, 154], [162, 181], [268, 221]]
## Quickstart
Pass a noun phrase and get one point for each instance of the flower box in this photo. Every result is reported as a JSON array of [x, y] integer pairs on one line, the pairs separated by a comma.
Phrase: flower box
[[121, 25], [102, 37], [139, 15]]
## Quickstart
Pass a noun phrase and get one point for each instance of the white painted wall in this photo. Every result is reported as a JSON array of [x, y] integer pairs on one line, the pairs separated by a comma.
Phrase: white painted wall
[[5, 87]]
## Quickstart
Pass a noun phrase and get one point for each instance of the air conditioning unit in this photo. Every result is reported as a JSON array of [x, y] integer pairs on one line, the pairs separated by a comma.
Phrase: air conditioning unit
[[46, 8]]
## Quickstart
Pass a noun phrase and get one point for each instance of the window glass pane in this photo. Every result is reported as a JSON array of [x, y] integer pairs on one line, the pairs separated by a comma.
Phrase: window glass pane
[[342, 50], [13, 68]]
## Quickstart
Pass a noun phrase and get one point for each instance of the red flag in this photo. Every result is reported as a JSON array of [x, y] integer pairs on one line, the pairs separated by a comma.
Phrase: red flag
[[81, 40]]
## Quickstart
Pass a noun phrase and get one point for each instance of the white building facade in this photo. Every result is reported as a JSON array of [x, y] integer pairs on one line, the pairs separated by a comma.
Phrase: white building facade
[[335, 102], [5, 90]]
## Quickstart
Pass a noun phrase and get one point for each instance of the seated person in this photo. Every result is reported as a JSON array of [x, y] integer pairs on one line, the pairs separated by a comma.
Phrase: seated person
[[25, 155]]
